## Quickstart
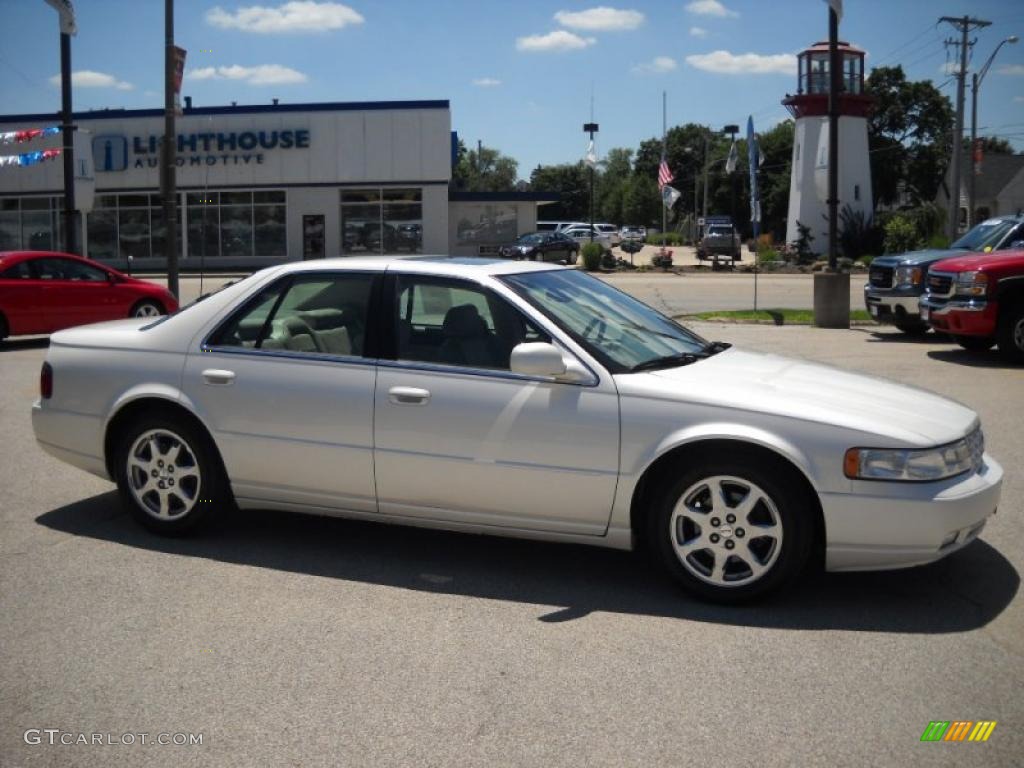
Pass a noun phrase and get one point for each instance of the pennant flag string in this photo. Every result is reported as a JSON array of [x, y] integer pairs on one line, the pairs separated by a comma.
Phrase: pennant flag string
[[30, 158], [20, 137]]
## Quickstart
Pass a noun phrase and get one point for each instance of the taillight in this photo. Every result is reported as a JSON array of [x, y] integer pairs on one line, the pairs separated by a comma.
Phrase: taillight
[[46, 381]]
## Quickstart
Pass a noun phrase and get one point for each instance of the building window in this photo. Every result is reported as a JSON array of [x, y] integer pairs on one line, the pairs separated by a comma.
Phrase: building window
[[30, 223], [122, 228], [856, 191], [234, 224], [381, 220], [487, 223]]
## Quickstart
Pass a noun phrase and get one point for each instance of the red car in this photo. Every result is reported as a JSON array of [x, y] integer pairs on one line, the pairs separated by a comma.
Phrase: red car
[[45, 291], [979, 300]]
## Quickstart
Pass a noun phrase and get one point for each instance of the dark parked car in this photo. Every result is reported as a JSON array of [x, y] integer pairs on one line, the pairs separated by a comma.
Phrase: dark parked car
[[543, 246], [895, 283]]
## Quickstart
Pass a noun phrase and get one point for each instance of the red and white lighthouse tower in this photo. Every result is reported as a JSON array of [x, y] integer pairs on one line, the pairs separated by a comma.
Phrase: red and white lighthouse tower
[[808, 185]]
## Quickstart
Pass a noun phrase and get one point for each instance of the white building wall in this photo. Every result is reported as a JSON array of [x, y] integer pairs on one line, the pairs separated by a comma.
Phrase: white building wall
[[808, 187]]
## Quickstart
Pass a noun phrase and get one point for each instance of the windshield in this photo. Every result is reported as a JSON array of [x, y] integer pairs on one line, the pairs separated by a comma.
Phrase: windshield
[[719, 231], [531, 239], [621, 332], [984, 235]]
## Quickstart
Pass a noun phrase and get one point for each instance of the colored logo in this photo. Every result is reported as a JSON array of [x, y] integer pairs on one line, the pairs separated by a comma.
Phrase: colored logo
[[958, 730], [110, 153]]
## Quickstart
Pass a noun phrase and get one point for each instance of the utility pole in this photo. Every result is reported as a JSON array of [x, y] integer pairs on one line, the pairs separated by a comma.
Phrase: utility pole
[[70, 231], [834, 89], [964, 24], [168, 180]]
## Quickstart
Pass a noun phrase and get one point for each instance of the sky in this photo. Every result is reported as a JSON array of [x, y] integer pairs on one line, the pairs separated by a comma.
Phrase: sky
[[521, 75]]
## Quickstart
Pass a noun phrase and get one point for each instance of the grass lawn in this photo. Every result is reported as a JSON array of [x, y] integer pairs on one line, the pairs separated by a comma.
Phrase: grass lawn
[[774, 316]]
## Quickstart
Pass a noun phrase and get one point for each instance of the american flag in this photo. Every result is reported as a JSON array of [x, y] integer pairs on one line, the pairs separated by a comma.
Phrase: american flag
[[664, 174]]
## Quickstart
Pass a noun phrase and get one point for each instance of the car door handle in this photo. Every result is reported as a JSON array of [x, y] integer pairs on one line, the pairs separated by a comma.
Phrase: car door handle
[[218, 376], [408, 396]]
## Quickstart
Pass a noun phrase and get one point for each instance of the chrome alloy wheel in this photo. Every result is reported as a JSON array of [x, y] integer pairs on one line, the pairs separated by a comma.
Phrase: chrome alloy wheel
[[726, 531], [147, 309], [1018, 334], [163, 474]]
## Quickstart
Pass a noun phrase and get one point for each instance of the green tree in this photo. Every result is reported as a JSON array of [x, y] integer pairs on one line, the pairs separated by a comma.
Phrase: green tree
[[990, 145], [909, 136], [615, 172], [484, 170], [571, 181]]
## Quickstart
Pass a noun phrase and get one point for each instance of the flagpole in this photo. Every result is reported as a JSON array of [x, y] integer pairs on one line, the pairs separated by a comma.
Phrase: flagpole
[[664, 147]]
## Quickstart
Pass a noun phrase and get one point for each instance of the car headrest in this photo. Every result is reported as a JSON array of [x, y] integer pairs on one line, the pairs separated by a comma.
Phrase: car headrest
[[463, 321]]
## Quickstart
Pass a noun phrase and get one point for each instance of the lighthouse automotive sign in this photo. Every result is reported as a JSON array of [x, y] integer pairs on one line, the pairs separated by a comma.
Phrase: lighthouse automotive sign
[[117, 152]]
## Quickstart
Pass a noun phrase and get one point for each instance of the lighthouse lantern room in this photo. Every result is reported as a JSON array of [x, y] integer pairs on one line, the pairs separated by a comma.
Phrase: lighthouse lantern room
[[808, 187]]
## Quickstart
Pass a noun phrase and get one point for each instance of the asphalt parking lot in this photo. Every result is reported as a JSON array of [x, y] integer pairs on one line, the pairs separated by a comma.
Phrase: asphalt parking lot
[[294, 640]]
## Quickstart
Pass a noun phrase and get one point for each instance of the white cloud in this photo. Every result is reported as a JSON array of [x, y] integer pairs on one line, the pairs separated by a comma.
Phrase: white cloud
[[724, 62], [487, 82], [600, 19], [1011, 69], [658, 66], [86, 78], [262, 74], [709, 8], [295, 16], [559, 40], [1019, 99], [698, 32]]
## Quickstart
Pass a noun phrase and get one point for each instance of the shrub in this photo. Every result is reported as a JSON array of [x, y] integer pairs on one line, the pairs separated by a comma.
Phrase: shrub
[[802, 244], [901, 235], [765, 241], [608, 260], [591, 255], [768, 256], [928, 219], [858, 234], [662, 259], [665, 238], [939, 242]]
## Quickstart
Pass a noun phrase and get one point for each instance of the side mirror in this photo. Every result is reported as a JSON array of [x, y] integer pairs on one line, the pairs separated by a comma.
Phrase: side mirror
[[537, 359]]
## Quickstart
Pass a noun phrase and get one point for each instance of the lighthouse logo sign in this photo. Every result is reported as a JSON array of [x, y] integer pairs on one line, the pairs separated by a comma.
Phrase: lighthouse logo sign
[[109, 153]]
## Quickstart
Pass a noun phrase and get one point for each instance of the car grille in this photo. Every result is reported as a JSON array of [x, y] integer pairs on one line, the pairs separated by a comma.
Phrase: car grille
[[976, 445], [881, 277], [940, 284]]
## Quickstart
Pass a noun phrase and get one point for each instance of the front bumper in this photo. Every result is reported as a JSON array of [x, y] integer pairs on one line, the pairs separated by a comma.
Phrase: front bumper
[[898, 525], [892, 306], [960, 317]]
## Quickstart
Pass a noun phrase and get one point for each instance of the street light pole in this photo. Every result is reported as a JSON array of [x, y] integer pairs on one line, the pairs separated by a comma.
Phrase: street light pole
[[976, 79], [167, 177], [591, 128]]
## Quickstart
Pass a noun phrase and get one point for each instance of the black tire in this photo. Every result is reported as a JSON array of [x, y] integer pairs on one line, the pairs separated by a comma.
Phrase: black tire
[[207, 492], [147, 308], [975, 343], [1010, 334], [912, 328], [784, 556]]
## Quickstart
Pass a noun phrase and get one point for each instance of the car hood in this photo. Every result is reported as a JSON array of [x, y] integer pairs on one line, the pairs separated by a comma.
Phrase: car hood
[[898, 414], [968, 262], [916, 258]]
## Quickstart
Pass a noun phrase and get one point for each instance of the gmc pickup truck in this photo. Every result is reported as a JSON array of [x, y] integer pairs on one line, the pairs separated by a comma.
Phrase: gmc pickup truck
[[979, 300], [896, 283], [719, 240]]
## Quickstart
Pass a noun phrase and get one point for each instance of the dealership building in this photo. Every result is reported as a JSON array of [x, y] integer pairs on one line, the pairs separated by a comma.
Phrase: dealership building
[[259, 185]]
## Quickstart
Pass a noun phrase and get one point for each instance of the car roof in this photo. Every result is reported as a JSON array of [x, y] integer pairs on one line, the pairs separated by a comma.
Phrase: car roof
[[453, 266]]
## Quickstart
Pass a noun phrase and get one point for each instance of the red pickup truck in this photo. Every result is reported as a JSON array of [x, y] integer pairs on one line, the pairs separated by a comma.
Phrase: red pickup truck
[[978, 299]]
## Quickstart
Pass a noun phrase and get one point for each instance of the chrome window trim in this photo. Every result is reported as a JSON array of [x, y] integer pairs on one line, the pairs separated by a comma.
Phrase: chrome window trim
[[288, 354], [492, 373]]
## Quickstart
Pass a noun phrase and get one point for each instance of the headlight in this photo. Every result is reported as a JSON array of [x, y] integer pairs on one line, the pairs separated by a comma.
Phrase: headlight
[[908, 275], [972, 283], [916, 465]]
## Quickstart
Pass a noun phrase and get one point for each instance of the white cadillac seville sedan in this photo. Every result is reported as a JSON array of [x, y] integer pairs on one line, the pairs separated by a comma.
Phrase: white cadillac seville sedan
[[519, 399]]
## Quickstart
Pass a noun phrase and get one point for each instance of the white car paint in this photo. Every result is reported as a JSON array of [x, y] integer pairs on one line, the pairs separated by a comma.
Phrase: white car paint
[[509, 454]]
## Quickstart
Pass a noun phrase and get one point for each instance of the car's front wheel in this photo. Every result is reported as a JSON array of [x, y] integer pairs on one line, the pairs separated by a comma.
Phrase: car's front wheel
[[1011, 332], [168, 474], [729, 531]]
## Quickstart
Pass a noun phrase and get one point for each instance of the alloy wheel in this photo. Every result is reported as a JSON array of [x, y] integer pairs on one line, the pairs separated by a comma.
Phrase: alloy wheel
[[726, 531], [147, 309], [163, 474]]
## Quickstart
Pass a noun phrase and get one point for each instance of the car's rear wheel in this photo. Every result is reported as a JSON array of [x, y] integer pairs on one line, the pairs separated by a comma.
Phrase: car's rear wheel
[[731, 531], [975, 343], [147, 308], [1011, 332], [168, 474]]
